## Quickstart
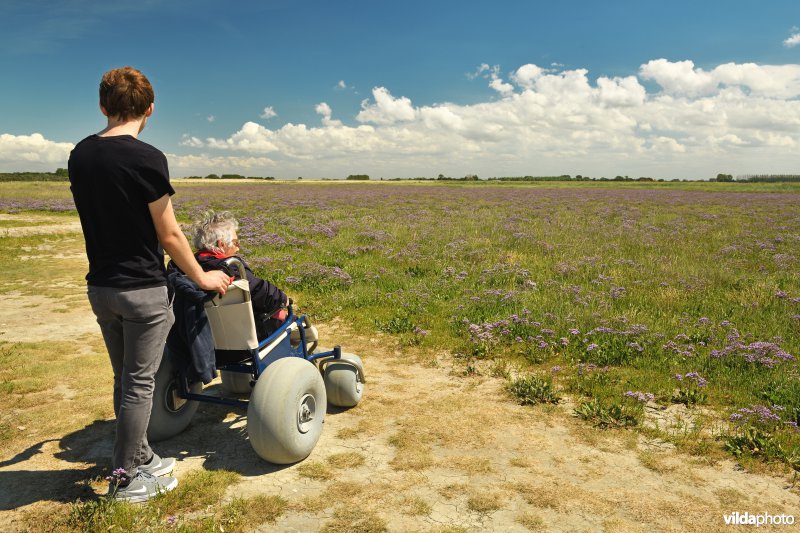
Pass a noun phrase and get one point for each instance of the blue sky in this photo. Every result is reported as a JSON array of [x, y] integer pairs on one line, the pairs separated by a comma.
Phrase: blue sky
[[326, 89]]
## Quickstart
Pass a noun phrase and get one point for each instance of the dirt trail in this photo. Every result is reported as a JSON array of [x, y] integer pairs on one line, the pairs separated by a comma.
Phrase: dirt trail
[[429, 449]]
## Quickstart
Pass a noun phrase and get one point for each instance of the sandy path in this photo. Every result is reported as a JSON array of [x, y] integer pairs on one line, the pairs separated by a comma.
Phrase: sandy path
[[433, 450]]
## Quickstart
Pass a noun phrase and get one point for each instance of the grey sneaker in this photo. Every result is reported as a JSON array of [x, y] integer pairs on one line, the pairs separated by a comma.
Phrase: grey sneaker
[[158, 466], [141, 488]]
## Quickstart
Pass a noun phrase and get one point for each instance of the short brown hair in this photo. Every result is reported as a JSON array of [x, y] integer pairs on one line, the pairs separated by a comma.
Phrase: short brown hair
[[125, 93]]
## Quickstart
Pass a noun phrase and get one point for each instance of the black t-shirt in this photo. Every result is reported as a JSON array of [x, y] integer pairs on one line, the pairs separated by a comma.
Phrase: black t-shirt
[[113, 179]]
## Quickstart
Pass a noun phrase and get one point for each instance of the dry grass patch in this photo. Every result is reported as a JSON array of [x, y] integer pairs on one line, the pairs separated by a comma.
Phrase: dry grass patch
[[469, 464], [315, 470], [453, 490], [242, 515], [532, 522], [373, 415], [55, 275], [485, 501], [350, 520], [546, 496], [412, 453], [731, 497], [29, 375], [655, 462], [520, 462], [674, 512], [346, 460], [412, 459], [339, 490], [415, 506], [312, 504]]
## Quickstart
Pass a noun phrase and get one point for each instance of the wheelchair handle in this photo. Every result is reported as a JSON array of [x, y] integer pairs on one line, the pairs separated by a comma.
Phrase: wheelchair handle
[[235, 261]]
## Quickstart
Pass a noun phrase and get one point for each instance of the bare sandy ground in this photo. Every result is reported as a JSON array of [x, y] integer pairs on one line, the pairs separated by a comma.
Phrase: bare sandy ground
[[428, 450], [38, 225]]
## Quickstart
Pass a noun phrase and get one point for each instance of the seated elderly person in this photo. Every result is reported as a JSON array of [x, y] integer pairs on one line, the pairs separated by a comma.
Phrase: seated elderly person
[[215, 240]]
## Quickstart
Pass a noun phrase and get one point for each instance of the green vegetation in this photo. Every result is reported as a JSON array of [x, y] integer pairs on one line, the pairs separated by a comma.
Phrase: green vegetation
[[533, 389], [624, 294], [59, 175], [179, 509], [229, 177]]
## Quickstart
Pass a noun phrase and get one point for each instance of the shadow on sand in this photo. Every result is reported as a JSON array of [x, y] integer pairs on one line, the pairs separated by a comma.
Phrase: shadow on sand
[[217, 436]]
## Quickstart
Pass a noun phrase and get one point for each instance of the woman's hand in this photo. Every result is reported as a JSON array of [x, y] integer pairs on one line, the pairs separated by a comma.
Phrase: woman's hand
[[214, 280]]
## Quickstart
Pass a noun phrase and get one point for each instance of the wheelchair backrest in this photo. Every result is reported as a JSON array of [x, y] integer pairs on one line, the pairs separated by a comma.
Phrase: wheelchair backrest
[[231, 318]]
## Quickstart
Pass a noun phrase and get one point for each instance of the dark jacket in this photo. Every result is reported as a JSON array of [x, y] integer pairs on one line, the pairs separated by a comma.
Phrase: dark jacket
[[190, 338], [266, 298]]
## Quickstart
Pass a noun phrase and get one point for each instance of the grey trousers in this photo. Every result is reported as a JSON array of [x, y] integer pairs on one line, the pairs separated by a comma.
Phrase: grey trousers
[[134, 323]]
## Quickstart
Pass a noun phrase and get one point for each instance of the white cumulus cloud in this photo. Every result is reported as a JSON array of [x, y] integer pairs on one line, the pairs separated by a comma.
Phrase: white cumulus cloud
[[792, 41], [32, 152], [679, 77], [526, 75], [268, 113], [683, 79], [551, 121], [324, 110], [203, 164], [386, 109]]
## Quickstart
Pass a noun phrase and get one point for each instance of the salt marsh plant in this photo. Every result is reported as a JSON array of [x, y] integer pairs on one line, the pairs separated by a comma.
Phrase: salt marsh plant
[[621, 288]]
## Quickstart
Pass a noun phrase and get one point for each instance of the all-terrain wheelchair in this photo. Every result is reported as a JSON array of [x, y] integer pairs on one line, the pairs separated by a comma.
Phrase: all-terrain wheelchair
[[289, 379]]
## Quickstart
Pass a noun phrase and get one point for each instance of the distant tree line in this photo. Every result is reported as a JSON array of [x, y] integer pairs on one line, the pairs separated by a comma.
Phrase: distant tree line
[[59, 175], [768, 178], [579, 177], [230, 177]]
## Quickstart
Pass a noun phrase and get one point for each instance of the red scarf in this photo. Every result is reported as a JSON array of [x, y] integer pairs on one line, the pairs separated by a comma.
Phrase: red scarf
[[218, 255]]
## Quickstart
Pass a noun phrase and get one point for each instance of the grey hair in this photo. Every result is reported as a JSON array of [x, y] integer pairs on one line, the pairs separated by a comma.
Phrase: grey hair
[[212, 227]]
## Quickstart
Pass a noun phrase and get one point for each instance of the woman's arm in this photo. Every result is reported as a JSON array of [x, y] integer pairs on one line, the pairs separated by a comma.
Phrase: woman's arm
[[174, 242]]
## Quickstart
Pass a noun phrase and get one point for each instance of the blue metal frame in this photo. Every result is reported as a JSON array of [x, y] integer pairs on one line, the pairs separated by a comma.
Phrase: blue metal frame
[[258, 362]]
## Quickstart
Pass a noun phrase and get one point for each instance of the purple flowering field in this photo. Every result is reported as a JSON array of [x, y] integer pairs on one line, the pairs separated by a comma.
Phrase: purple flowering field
[[622, 298]]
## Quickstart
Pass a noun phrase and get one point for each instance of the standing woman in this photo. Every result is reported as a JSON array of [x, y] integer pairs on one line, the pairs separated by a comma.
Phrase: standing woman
[[122, 192]]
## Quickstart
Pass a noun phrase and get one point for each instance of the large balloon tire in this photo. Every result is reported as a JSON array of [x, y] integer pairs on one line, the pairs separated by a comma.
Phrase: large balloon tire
[[170, 415], [286, 411], [342, 383]]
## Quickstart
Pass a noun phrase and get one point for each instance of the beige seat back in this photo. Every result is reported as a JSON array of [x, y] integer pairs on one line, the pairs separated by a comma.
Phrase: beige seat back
[[231, 317]]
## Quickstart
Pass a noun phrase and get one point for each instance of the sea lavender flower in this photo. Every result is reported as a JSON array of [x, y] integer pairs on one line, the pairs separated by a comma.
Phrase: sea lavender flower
[[592, 347], [117, 475], [757, 414], [643, 397], [635, 346], [695, 377]]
